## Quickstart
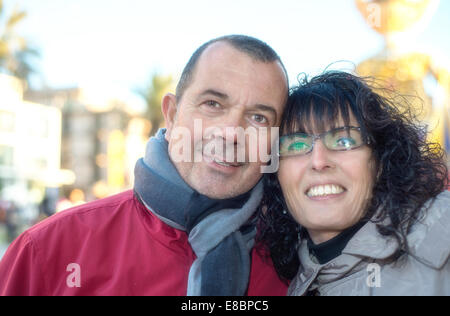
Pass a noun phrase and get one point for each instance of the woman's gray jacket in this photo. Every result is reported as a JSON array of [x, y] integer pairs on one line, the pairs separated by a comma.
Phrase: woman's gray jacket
[[365, 267]]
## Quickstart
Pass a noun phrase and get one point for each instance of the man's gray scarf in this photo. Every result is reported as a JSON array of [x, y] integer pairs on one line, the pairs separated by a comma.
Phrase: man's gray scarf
[[220, 232]]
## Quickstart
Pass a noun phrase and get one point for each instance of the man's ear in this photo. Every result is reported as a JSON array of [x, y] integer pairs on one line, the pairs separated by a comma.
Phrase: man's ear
[[169, 110]]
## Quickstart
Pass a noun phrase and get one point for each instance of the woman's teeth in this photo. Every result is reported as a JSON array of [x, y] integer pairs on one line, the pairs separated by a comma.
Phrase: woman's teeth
[[322, 190]]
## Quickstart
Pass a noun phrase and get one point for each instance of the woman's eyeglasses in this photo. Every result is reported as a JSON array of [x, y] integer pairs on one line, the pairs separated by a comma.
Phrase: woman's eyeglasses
[[338, 139]]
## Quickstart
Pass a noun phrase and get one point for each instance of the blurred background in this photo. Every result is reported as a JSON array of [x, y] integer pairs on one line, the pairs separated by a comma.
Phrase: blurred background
[[81, 81]]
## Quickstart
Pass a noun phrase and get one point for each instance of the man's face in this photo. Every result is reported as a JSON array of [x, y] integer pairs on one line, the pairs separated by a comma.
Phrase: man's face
[[229, 91]]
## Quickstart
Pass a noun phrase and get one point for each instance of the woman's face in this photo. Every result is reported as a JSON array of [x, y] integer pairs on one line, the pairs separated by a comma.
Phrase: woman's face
[[328, 191]]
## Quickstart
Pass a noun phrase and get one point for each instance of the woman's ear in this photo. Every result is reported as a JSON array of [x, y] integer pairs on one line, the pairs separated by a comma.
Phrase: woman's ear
[[169, 110]]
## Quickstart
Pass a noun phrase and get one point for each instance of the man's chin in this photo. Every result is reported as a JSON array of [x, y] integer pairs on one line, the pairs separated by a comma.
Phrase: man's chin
[[219, 189], [216, 184], [218, 192]]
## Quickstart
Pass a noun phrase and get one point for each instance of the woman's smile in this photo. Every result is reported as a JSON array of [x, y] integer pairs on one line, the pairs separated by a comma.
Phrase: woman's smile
[[325, 191]]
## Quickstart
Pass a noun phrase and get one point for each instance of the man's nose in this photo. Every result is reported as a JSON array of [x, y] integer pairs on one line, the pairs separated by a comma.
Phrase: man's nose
[[232, 126], [320, 157], [231, 134]]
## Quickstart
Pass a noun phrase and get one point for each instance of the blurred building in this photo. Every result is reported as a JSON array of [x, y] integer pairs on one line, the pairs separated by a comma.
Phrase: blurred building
[[30, 149], [98, 134]]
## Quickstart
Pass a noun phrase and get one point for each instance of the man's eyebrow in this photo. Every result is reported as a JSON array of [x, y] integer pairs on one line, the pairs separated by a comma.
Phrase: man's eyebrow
[[224, 96], [266, 108], [215, 93]]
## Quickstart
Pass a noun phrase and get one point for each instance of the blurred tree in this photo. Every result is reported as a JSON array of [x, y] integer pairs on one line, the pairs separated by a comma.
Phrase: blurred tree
[[153, 93], [15, 52]]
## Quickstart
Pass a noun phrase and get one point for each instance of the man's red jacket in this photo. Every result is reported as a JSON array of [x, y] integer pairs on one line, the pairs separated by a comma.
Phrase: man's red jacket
[[113, 246]]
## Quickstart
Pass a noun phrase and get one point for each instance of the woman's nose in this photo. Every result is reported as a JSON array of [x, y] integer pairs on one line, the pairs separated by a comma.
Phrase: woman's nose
[[320, 157]]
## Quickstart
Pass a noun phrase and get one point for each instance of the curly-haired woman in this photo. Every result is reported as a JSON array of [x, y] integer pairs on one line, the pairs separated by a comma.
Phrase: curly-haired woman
[[358, 206]]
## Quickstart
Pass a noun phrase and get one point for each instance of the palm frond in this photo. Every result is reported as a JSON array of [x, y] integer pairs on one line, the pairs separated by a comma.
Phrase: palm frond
[[15, 18]]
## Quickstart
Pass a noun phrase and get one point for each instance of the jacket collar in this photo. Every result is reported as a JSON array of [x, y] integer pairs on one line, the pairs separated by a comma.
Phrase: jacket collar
[[429, 243], [368, 243], [429, 240]]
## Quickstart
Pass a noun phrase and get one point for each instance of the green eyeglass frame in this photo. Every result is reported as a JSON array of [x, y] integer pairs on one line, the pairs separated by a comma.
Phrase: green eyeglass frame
[[338, 139]]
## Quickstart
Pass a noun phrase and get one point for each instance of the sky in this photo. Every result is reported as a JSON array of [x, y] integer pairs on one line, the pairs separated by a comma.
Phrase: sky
[[120, 43]]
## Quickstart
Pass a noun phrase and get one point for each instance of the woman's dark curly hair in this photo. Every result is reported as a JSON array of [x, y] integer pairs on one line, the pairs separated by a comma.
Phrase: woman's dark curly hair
[[410, 170]]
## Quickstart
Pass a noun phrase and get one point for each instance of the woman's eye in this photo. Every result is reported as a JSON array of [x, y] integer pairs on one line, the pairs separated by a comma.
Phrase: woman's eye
[[260, 119], [298, 146], [345, 142]]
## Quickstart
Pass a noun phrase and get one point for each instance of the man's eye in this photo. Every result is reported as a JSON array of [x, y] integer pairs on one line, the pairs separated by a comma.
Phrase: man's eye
[[212, 104], [260, 119]]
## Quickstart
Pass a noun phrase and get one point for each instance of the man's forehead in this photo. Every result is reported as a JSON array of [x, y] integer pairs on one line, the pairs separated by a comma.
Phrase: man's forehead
[[225, 69], [220, 49], [223, 55], [220, 56]]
